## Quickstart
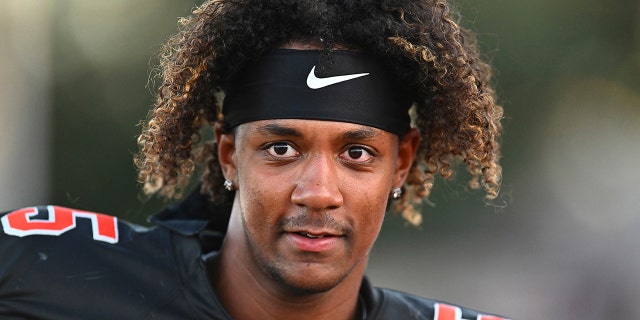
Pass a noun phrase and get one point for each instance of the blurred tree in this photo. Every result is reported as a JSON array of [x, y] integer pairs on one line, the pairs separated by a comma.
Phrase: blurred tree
[[103, 52]]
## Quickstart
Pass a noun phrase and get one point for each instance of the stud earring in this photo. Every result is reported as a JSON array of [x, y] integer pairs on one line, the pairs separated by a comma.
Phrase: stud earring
[[228, 185], [396, 193]]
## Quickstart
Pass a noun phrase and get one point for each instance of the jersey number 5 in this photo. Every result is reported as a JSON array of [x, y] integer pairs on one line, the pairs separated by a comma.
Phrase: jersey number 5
[[20, 223]]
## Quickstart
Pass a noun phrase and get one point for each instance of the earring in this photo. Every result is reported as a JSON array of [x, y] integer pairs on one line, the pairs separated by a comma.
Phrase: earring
[[228, 185], [396, 193]]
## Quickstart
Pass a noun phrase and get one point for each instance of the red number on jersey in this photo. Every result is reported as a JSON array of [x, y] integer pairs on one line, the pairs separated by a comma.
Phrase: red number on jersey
[[448, 312], [20, 223]]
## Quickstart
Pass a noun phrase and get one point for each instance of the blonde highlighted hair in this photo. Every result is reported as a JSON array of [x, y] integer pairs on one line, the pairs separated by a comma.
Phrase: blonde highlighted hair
[[438, 61]]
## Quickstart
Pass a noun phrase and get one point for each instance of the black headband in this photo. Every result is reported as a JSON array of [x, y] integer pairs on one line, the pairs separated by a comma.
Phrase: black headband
[[346, 86]]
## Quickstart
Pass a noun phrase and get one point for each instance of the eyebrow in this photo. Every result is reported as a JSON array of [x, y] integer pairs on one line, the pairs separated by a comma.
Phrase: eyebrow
[[278, 130], [361, 134]]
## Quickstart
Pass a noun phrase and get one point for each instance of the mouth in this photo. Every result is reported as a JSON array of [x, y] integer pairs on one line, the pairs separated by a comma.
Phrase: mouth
[[314, 236], [307, 241]]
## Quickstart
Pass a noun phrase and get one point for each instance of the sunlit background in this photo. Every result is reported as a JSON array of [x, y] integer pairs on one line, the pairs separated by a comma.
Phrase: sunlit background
[[74, 84]]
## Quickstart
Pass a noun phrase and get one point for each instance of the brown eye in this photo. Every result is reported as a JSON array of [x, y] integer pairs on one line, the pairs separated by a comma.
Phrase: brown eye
[[357, 154], [282, 150]]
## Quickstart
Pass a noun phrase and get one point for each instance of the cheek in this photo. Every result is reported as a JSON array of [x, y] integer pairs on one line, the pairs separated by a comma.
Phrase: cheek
[[376, 213], [371, 212], [251, 198], [260, 198]]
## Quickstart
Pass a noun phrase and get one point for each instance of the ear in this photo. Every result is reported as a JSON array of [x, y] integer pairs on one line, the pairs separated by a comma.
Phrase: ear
[[226, 151], [407, 150]]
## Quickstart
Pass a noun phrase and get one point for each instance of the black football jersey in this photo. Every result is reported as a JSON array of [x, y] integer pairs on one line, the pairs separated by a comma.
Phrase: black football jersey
[[61, 263]]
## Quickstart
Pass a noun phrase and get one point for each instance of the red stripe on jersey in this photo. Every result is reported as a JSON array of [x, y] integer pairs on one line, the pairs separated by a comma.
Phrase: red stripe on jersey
[[446, 312]]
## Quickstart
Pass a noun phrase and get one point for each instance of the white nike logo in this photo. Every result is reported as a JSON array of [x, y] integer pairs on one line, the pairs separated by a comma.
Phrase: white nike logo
[[314, 82]]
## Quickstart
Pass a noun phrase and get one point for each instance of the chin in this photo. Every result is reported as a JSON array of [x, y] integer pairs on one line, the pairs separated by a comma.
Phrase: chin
[[309, 285], [305, 282]]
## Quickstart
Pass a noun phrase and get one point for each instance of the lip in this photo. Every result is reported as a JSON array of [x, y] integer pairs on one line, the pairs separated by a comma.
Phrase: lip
[[303, 243]]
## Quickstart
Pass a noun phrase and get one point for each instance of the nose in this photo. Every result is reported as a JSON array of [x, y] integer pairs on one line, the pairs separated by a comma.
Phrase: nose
[[317, 185]]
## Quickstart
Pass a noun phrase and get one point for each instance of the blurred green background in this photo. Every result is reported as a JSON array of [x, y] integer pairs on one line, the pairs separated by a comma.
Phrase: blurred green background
[[75, 82]]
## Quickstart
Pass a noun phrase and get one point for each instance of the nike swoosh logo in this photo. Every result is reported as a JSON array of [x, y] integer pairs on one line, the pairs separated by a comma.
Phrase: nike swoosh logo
[[314, 82]]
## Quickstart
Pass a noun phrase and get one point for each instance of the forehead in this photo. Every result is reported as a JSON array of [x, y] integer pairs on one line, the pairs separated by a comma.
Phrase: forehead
[[311, 128]]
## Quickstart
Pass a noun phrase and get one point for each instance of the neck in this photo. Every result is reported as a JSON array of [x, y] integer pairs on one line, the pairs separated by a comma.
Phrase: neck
[[245, 291]]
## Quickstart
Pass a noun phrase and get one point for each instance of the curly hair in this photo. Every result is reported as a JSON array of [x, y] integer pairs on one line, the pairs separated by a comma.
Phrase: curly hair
[[454, 104]]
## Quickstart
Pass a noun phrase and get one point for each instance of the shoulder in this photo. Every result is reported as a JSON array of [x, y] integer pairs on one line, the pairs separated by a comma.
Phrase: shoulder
[[391, 303], [58, 260], [51, 239], [50, 226], [69, 239]]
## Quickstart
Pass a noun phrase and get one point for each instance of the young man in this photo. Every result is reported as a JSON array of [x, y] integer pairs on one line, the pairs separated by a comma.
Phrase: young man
[[313, 139]]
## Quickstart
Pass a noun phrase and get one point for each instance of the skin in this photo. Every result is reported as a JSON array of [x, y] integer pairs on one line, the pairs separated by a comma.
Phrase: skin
[[295, 177]]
